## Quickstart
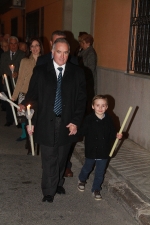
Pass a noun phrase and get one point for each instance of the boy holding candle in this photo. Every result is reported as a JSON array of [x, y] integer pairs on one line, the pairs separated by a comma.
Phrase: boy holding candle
[[99, 131]]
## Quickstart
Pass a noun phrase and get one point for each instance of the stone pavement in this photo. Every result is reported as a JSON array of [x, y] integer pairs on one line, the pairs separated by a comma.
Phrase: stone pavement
[[20, 191], [128, 177]]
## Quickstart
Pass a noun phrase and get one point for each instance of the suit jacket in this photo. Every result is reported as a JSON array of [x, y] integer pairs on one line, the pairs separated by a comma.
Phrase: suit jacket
[[46, 58], [42, 89], [5, 61], [98, 136]]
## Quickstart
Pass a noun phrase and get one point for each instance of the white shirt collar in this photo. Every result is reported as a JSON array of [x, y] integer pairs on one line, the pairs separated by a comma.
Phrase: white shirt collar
[[56, 66]]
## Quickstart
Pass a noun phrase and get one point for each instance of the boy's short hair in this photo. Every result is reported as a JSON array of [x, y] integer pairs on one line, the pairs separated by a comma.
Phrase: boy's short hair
[[100, 97]]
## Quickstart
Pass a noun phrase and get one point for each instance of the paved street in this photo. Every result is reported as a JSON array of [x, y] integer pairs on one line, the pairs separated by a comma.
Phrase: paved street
[[21, 195]]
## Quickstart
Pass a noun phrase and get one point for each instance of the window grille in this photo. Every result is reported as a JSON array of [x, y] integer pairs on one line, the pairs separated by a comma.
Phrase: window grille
[[139, 38]]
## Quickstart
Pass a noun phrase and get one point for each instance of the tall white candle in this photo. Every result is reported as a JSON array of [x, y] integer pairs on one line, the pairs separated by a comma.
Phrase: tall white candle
[[30, 126], [120, 131], [9, 94], [7, 85]]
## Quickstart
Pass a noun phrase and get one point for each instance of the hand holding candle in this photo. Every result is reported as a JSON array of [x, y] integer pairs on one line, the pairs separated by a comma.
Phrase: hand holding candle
[[4, 98], [12, 67], [29, 116], [120, 131]]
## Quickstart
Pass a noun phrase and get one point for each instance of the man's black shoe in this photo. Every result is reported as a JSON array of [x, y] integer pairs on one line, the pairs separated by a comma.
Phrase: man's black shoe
[[8, 124], [48, 198], [60, 190]]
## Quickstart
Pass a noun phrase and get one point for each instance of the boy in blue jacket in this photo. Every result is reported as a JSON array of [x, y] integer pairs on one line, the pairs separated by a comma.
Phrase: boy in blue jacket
[[99, 132]]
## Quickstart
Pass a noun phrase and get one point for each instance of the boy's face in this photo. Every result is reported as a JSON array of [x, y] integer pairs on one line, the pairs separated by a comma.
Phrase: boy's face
[[100, 106]]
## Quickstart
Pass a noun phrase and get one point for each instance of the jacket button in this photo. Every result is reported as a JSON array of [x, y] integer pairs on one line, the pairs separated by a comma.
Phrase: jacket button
[[51, 120]]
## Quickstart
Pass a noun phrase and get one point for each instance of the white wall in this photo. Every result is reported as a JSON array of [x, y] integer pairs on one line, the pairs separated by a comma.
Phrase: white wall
[[129, 90], [81, 16]]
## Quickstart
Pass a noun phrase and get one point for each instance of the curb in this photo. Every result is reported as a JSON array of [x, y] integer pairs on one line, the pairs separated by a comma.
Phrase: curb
[[131, 199]]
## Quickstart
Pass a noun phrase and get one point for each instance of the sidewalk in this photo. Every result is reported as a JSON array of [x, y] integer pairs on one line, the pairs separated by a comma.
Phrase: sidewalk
[[128, 178]]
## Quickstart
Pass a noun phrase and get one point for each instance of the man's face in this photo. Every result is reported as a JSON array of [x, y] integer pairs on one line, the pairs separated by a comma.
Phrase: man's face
[[54, 39], [13, 45], [60, 53]]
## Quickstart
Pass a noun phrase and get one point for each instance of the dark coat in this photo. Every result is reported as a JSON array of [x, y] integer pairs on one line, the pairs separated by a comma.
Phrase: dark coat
[[42, 89], [98, 136]]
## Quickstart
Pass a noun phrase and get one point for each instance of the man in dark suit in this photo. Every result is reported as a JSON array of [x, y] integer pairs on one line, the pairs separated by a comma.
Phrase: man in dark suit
[[72, 59], [55, 132], [11, 57]]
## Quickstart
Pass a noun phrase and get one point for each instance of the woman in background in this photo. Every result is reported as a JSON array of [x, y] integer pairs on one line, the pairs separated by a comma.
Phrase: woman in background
[[25, 72], [88, 61]]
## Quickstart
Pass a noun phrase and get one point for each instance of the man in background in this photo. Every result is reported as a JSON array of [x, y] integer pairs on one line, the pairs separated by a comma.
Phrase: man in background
[[11, 57]]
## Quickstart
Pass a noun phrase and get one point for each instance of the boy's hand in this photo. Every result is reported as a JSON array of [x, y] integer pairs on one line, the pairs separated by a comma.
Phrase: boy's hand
[[119, 136]]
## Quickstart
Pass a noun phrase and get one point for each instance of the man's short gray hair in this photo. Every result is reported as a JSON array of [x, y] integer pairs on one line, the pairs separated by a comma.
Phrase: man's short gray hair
[[61, 40], [13, 37]]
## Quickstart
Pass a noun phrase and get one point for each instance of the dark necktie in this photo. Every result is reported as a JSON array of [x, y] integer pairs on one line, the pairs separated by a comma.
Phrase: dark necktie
[[13, 54], [58, 100]]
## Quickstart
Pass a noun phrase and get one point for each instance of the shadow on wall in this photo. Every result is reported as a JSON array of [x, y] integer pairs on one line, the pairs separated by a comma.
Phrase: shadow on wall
[[72, 41], [111, 106]]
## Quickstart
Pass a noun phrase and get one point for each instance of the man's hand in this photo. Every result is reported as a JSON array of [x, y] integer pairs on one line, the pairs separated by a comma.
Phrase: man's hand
[[30, 131], [14, 74], [22, 107], [72, 128]]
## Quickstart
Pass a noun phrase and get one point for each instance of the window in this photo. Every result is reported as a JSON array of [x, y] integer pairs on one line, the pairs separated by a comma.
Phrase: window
[[35, 24], [32, 25], [14, 27], [139, 38]]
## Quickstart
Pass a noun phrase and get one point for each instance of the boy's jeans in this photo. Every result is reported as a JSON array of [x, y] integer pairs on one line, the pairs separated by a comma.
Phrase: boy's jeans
[[99, 172]]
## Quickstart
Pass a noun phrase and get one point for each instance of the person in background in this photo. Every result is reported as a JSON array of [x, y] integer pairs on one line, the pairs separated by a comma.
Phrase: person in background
[[5, 46], [23, 46], [59, 90], [79, 49], [99, 132], [88, 61], [25, 72], [11, 57], [6, 37]]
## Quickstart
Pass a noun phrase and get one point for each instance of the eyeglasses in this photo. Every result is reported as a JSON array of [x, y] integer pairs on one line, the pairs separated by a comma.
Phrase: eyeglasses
[[34, 46]]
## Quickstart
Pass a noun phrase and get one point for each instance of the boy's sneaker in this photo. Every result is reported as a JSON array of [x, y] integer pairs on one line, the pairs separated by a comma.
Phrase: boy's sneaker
[[97, 195], [81, 186]]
